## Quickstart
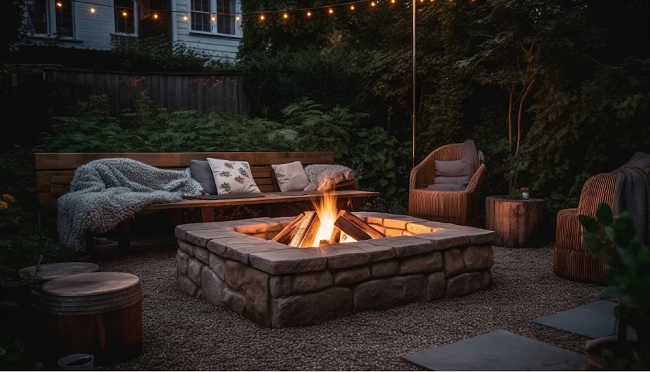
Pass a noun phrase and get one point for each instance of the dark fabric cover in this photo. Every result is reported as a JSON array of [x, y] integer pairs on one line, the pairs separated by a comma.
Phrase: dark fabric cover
[[202, 173], [633, 194]]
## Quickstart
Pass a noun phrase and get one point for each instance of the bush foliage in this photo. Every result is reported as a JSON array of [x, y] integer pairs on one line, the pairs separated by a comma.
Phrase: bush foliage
[[377, 157], [552, 91]]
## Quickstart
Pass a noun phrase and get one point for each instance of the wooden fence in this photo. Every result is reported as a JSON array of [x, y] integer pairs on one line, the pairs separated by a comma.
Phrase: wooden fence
[[196, 91]]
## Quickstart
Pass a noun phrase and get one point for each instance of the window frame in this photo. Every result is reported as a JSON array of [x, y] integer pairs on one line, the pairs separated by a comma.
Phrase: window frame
[[50, 18], [214, 30], [136, 20]]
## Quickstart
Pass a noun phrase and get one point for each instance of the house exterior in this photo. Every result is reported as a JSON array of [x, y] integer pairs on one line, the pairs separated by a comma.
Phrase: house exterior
[[210, 26]]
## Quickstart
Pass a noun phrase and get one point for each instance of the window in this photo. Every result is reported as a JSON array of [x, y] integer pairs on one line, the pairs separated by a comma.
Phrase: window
[[214, 16], [50, 17], [201, 15], [63, 10], [125, 17]]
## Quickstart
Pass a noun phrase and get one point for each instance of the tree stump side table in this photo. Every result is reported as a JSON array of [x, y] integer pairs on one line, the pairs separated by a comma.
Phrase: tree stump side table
[[517, 222]]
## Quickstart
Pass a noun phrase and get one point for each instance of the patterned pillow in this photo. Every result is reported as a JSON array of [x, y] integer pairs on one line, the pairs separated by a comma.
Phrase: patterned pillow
[[233, 177]]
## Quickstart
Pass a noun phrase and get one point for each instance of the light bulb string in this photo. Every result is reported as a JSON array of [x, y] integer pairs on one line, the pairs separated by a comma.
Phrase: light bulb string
[[376, 2]]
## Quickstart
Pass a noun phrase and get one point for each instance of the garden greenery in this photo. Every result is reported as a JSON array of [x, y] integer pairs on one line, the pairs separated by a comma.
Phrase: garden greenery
[[380, 161], [552, 91]]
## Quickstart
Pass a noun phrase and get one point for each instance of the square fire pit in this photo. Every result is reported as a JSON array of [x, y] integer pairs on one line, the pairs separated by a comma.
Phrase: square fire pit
[[236, 265]]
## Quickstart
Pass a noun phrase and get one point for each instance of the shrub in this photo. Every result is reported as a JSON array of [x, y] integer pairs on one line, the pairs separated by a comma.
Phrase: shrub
[[378, 158]]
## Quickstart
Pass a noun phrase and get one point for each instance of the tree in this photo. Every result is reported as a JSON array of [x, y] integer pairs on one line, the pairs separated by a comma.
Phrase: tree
[[11, 23]]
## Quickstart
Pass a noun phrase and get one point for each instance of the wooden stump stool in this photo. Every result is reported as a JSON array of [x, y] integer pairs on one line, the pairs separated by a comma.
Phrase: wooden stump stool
[[517, 222], [97, 313], [58, 270]]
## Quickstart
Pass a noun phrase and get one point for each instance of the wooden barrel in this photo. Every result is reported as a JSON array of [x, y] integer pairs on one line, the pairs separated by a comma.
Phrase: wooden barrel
[[517, 222], [56, 270], [96, 313]]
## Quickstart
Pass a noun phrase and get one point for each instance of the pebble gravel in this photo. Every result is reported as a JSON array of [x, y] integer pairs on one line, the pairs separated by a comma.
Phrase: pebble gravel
[[184, 333]]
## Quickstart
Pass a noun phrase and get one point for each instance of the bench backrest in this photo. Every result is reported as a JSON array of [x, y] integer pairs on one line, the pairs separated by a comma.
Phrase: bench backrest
[[54, 171]]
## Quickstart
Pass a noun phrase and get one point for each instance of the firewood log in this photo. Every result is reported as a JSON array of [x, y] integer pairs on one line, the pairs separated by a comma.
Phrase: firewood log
[[355, 227], [287, 233]]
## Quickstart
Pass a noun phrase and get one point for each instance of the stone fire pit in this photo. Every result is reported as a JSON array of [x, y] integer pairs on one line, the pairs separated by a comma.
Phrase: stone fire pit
[[235, 265]]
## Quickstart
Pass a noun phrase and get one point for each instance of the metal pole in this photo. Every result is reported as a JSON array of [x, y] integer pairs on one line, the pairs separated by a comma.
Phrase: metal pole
[[414, 82]]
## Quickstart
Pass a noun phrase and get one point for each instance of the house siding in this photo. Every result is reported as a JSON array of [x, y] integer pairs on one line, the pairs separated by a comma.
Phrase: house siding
[[91, 31], [223, 47]]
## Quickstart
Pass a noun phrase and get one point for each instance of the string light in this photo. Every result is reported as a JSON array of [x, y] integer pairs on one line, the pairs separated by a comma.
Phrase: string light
[[308, 14], [59, 4], [237, 18], [373, 4], [185, 18], [392, 1], [351, 7], [155, 16], [262, 17], [331, 11], [421, 1], [214, 18], [124, 13], [285, 15], [92, 9]]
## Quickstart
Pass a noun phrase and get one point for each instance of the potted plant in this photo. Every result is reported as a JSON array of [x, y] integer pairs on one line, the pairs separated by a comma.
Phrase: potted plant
[[628, 279]]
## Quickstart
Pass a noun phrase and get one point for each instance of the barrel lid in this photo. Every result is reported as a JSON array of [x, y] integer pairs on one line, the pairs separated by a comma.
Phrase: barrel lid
[[89, 284], [57, 270]]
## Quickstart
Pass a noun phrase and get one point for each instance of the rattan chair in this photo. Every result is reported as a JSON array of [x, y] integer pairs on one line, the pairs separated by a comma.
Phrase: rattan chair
[[572, 260], [457, 207]]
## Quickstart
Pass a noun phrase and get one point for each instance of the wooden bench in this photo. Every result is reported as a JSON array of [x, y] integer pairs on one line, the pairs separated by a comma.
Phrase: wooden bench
[[54, 172]]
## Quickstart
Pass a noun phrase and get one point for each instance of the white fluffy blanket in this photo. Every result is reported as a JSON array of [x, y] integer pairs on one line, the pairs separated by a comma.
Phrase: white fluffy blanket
[[105, 192]]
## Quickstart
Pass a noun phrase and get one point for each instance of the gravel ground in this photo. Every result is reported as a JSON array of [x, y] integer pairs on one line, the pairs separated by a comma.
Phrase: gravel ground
[[184, 333]]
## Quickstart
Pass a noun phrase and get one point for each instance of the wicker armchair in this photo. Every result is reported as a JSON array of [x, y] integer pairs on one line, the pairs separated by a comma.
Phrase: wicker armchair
[[572, 261], [457, 207]]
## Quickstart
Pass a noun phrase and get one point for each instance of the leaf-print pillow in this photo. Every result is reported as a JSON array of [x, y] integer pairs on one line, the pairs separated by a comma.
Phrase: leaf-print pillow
[[232, 177]]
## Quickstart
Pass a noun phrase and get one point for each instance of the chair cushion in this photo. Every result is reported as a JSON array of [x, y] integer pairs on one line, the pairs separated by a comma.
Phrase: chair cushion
[[290, 176], [446, 187], [201, 172], [452, 168], [233, 177]]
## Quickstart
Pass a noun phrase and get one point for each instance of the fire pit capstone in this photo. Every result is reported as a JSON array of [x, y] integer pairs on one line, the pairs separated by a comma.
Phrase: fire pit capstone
[[235, 265]]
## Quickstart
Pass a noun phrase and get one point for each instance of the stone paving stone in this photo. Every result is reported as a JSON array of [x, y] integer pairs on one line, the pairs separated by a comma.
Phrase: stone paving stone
[[463, 284], [202, 237], [419, 264], [593, 320], [351, 276], [498, 351], [312, 308], [288, 261], [478, 257], [406, 245], [240, 251], [340, 256], [389, 292]]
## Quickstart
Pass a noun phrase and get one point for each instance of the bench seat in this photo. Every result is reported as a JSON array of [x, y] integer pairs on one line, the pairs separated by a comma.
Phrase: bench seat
[[54, 172]]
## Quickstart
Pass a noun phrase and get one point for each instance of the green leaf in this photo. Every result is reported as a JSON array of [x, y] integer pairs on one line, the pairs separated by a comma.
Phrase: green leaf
[[590, 224], [604, 214]]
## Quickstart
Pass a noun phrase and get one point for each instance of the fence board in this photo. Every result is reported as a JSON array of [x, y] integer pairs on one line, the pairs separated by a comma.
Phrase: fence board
[[200, 92]]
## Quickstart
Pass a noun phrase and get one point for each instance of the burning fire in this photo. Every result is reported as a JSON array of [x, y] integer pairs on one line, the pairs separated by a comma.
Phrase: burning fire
[[327, 212]]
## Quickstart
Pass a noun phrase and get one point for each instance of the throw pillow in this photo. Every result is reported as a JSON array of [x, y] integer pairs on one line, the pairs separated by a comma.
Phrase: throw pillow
[[232, 177], [290, 176], [324, 177], [201, 172], [452, 168]]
